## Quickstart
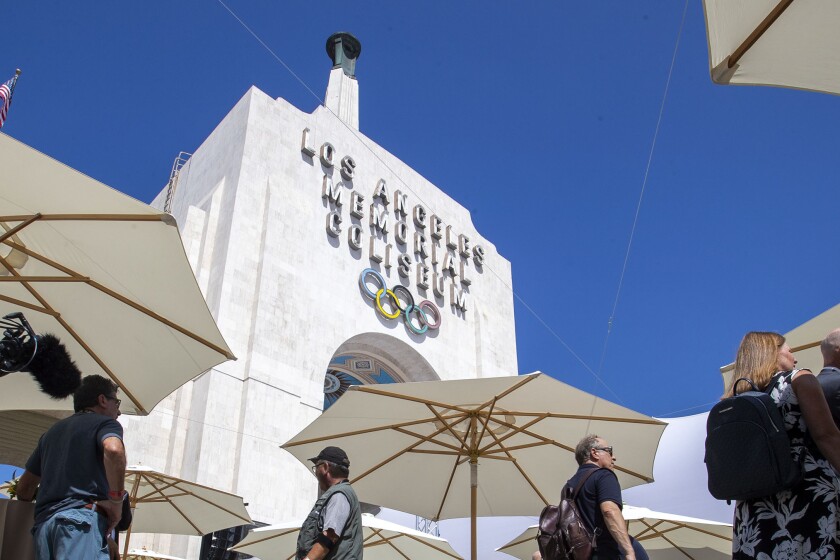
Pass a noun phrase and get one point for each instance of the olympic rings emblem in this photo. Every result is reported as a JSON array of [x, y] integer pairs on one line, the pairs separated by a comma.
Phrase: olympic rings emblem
[[399, 301]]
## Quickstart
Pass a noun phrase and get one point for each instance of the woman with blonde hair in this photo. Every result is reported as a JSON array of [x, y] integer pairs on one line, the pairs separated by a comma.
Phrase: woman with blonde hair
[[804, 521]]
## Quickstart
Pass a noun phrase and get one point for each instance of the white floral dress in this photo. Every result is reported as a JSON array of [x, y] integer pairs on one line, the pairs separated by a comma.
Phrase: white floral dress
[[798, 523]]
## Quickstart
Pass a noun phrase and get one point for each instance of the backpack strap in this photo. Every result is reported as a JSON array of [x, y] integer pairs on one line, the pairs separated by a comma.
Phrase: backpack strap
[[582, 481]]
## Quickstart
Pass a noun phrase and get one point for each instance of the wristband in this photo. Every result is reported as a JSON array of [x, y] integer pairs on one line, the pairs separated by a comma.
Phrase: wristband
[[115, 496]]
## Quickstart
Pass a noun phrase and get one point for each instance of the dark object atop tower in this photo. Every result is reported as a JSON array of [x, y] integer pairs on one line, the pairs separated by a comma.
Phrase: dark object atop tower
[[343, 50]]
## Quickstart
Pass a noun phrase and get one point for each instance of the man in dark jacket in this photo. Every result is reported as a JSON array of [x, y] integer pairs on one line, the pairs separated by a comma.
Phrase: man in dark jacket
[[80, 465], [829, 377]]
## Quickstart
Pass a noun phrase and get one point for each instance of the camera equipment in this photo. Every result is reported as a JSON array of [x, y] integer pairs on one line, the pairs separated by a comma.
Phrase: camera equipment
[[44, 356]]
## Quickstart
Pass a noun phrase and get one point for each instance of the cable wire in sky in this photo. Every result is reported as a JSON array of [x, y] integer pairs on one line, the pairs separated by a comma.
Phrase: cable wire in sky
[[611, 320]]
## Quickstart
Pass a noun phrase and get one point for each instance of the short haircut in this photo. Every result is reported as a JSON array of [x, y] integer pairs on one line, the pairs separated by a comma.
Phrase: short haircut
[[830, 345], [584, 448], [337, 471], [87, 395]]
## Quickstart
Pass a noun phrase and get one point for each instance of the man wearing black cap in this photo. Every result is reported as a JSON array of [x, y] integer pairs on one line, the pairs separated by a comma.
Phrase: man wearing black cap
[[333, 529]]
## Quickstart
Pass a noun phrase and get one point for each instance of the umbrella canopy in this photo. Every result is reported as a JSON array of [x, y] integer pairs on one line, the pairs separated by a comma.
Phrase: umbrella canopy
[[143, 554], [804, 341], [104, 273], [663, 535], [775, 43], [382, 541], [166, 504], [476, 447]]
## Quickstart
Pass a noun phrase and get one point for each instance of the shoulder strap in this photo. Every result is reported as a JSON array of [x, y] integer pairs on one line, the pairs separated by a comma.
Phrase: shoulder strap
[[777, 376], [582, 481]]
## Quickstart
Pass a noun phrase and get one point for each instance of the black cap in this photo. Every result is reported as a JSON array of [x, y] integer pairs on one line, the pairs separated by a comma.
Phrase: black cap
[[333, 455]]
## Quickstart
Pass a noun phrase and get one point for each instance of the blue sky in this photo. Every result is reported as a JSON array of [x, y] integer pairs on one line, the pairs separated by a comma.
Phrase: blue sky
[[536, 116]]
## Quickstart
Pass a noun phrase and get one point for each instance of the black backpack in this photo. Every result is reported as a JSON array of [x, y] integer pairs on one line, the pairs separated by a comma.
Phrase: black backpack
[[748, 452], [562, 534]]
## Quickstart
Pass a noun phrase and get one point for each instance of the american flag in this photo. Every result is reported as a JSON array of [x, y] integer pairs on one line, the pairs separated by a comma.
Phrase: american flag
[[6, 91]]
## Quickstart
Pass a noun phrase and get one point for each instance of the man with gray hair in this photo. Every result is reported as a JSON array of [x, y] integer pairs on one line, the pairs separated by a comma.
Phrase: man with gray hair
[[599, 501], [829, 377]]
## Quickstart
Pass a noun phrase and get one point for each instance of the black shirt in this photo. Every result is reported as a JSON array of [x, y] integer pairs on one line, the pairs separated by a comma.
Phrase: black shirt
[[69, 460], [602, 486]]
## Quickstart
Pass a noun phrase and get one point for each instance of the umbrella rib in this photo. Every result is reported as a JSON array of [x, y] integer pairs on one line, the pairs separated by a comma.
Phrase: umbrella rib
[[523, 540], [430, 545], [520, 469], [11, 232], [80, 279], [506, 392], [268, 538], [487, 420], [126, 301], [151, 482], [405, 450], [559, 416], [558, 444], [515, 430], [681, 525], [89, 217], [448, 487], [669, 541], [370, 389], [366, 431], [188, 492], [20, 303], [758, 32], [448, 426], [387, 540], [436, 442]]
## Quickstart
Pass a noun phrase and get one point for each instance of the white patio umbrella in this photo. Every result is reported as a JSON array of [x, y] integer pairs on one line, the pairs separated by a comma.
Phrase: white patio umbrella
[[782, 43], [107, 275], [804, 341], [143, 554], [383, 540], [476, 447], [664, 536], [166, 504]]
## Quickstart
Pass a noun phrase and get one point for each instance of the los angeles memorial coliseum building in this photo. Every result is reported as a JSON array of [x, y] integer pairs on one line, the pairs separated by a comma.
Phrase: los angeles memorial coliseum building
[[292, 221]]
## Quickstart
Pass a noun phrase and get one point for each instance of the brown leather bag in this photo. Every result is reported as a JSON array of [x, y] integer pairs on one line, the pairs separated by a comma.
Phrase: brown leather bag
[[562, 534]]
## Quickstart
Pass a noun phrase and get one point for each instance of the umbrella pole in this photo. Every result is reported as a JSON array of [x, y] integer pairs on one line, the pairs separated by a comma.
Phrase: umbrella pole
[[473, 503]]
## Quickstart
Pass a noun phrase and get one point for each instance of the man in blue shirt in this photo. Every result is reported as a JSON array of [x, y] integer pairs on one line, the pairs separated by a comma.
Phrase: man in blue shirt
[[599, 501], [80, 465]]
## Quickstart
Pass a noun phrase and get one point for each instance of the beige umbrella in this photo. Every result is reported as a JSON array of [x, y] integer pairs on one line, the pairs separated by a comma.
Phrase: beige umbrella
[[476, 447], [383, 540], [107, 275], [782, 43], [805, 341], [143, 554], [664, 536], [166, 504]]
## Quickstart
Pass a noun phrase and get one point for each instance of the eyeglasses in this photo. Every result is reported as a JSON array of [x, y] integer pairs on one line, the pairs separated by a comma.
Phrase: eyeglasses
[[115, 399], [315, 467], [608, 449]]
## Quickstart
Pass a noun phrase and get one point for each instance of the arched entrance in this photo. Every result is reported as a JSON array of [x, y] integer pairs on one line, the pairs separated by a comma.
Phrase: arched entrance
[[373, 358]]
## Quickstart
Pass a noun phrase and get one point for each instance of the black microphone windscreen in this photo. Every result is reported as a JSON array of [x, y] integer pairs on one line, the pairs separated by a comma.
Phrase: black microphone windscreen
[[53, 368]]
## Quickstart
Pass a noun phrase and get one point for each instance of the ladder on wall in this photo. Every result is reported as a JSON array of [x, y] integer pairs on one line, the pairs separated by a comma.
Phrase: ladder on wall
[[180, 161]]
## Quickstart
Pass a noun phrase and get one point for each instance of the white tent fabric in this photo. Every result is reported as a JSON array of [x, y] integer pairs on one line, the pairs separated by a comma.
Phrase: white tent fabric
[[107, 275], [799, 49]]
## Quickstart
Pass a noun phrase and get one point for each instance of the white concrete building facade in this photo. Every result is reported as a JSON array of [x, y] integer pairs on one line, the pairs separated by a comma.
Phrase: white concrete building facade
[[282, 213]]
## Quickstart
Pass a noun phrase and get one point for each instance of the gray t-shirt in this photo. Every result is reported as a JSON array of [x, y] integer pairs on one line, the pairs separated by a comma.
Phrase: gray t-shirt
[[69, 460], [335, 513]]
